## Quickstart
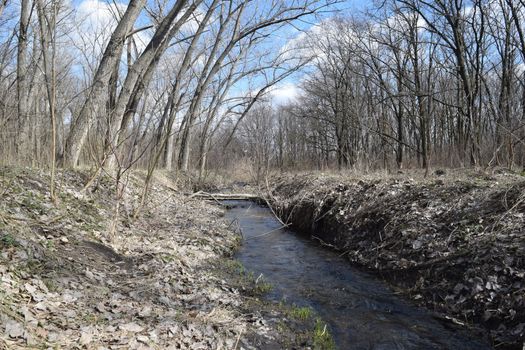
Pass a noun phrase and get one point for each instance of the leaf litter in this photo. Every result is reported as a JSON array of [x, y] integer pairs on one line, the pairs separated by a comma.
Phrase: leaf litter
[[66, 282], [455, 245]]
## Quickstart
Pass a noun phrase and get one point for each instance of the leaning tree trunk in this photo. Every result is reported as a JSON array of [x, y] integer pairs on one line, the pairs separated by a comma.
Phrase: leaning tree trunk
[[140, 73], [81, 125], [21, 80]]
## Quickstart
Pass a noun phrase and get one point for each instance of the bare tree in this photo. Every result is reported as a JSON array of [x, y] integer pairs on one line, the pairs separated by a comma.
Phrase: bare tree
[[81, 124], [22, 78]]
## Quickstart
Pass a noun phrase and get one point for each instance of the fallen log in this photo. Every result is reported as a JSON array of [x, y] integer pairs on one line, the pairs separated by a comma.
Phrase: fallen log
[[224, 196]]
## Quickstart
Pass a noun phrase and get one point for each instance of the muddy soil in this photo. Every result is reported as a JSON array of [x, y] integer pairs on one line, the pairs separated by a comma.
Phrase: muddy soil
[[162, 280], [454, 246]]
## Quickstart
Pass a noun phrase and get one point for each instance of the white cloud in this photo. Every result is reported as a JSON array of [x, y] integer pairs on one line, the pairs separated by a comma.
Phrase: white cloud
[[97, 20], [304, 44], [284, 93], [98, 13]]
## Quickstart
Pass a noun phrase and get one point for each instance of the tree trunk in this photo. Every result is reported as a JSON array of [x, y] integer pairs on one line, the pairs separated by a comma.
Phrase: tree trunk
[[98, 90], [139, 75], [22, 82]]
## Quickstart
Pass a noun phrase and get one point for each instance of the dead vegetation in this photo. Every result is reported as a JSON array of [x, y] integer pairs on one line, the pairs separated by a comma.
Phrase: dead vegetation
[[454, 245], [66, 281]]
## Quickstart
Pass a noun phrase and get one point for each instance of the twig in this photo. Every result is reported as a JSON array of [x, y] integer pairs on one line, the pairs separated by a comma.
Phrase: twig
[[236, 221], [194, 194], [92, 179], [275, 214], [324, 243], [238, 339], [286, 224]]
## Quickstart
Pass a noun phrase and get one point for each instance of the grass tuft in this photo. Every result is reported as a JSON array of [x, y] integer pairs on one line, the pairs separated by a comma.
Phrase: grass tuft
[[301, 313], [322, 337], [7, 241]]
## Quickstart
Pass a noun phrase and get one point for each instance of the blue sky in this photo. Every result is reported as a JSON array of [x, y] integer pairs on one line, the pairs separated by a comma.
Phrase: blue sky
[[287, 89]]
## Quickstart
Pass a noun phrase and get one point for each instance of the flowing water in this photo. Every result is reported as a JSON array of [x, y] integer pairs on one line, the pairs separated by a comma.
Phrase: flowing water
[[361, 311]]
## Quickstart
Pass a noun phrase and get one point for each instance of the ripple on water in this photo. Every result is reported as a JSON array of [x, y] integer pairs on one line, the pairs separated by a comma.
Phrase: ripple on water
[[360, 310]]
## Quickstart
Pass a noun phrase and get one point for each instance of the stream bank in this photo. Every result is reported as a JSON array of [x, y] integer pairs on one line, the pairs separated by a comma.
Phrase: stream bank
[[163, 280], [360, 311], [454, 246]]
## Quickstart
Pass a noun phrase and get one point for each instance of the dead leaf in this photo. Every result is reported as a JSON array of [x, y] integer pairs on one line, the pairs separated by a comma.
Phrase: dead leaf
[[86, 337], [14, 329], [131, 327]]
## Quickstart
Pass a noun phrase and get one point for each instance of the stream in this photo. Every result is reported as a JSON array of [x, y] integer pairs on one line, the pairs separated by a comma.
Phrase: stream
[[360, 310]]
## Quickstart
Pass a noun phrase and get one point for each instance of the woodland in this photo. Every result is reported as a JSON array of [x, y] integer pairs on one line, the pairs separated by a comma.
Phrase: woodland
[[390, 131], [312, 84]]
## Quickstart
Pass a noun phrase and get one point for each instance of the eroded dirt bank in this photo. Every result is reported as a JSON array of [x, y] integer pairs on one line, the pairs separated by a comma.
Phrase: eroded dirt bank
[[161, 281], [455, 246]]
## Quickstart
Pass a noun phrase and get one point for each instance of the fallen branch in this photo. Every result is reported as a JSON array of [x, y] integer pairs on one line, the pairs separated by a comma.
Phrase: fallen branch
[[224, 196], [285, 224]]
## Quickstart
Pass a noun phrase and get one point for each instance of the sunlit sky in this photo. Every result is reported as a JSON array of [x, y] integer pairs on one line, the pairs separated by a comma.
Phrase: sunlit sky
[[285, 90]]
